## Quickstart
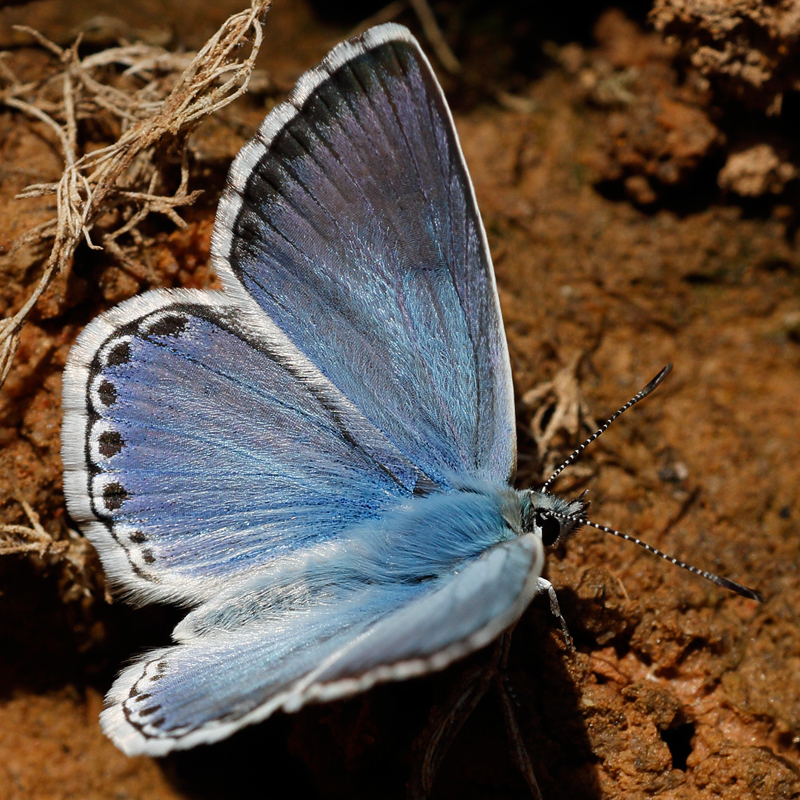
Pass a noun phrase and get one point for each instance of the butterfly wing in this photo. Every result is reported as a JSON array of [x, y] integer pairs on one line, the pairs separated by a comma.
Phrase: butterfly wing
[[199, 445], [244, 668], [351, 221], [355, 363]]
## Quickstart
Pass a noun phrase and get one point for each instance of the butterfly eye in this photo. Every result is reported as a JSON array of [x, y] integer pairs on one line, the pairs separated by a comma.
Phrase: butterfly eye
[[551, 529]]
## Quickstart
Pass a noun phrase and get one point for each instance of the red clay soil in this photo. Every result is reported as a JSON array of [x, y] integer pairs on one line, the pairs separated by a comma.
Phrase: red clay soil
[[596, 170]]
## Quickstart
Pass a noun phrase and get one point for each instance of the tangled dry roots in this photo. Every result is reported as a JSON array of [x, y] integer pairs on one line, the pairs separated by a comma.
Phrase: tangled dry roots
[[104, 195]]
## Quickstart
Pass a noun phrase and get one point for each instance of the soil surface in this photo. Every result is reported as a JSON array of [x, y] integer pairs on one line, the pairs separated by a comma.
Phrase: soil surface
[[596, 153]]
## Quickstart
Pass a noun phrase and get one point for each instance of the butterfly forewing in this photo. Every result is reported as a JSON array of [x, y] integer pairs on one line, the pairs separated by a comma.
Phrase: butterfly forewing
[[352, 222]]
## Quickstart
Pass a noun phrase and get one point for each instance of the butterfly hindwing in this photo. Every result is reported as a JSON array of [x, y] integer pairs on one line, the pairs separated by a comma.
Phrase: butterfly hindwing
[[351, 220], [289, 648]]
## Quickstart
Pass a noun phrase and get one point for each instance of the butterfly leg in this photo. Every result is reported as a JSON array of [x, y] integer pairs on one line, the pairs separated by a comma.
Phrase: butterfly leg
[[446, 721], [555, 610], [509, 702]]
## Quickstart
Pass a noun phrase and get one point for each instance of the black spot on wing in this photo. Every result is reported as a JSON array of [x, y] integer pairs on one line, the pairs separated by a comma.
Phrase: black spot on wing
[[107, 393], [169, 325], [119, 354], [110, 443], [114, 495]]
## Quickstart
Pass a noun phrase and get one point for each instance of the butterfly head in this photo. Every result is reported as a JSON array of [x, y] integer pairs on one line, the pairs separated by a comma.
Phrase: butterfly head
[[554, 519], [550, 517]]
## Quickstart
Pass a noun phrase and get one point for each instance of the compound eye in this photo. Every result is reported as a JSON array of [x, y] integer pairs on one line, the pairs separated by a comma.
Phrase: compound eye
[[551, 529]]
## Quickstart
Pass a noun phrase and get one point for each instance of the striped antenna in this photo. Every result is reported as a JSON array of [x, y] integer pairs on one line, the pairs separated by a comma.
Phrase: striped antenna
[[632, 402], [723, 582]]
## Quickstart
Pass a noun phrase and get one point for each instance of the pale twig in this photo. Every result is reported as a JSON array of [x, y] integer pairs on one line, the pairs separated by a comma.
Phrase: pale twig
[[24, 539], [41, 116], [71, 550], [559, 406], [41, 40], [433, 33]]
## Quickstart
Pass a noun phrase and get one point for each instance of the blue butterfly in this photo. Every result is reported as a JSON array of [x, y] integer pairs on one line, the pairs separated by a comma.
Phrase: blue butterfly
[[317, 461]]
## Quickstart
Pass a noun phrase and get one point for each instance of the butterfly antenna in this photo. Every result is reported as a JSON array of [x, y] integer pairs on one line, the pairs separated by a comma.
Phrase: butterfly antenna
[[632, 402], [744, 591]]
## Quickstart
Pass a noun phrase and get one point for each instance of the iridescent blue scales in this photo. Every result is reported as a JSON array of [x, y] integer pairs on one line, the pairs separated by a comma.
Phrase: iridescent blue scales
[[316, 460]]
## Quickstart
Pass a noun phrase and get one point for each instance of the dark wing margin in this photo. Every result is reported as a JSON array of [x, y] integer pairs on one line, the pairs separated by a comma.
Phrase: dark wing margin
[[351, 220]]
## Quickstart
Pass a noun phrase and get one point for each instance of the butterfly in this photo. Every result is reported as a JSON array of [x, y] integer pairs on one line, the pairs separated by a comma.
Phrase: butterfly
[[317, 460]]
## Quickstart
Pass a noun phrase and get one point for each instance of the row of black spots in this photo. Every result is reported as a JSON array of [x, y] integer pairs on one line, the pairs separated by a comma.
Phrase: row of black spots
[[114, 355], [120, 353], [162, 324], [111, 442], [137, 717]]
